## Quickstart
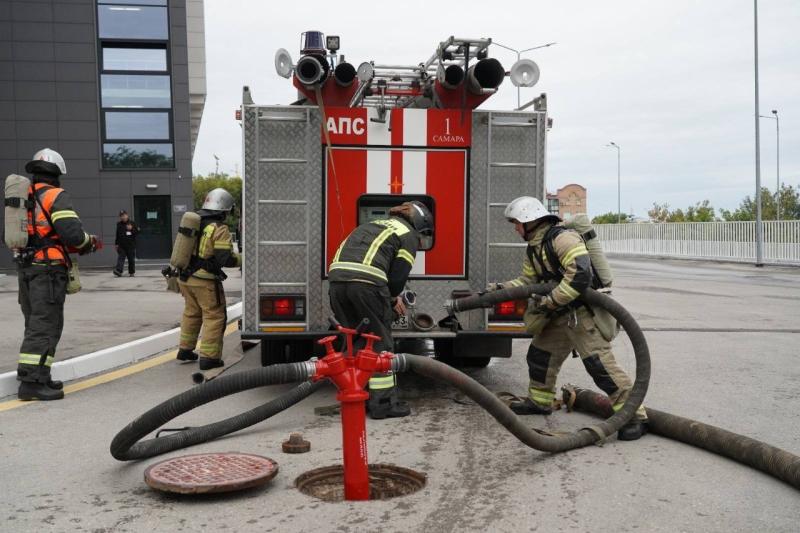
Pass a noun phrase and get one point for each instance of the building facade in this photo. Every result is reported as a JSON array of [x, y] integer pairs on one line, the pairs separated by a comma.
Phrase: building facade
[[118, 88], [567, 201]]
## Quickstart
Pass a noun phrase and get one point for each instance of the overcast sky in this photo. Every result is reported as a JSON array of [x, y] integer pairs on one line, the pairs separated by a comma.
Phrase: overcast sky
[[671, 82]]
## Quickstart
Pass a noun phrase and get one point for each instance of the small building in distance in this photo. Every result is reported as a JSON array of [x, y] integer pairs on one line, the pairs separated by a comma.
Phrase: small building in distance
[[567, 201]]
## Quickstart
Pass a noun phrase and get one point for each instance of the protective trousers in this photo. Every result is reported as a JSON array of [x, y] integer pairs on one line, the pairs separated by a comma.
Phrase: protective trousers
[[128, 253], [351, 302], [204, 315], [42, 291], [577, 331]]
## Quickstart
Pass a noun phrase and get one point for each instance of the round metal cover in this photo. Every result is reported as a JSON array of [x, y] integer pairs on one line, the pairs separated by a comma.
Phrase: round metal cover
[[205, 473]]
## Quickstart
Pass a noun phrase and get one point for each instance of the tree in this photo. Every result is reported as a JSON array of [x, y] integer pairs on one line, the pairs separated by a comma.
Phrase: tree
[[611, 218], [789, 200], [699, 212], [233, 184], [659, 212]]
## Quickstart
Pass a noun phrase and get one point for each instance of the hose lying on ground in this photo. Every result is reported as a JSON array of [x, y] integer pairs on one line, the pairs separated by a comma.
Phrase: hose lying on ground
[[759, 455], [126, 445]]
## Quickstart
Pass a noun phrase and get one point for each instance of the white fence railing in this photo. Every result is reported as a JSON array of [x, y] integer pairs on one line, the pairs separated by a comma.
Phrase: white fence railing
[[727, 241]]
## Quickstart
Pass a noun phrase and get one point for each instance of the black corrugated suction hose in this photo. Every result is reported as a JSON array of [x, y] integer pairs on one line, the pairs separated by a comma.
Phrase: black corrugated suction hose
[[504, 415], [748, 451], [126, 446]]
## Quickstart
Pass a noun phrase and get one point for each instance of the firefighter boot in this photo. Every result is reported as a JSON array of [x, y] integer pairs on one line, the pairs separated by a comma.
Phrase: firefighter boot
[[35, 386], [55, 384], [529, 407], [207, 363], [633, 430], [185, 354], [383, 403]]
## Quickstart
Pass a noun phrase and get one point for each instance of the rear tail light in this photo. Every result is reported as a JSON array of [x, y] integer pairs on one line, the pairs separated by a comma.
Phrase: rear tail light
[[509, 310], [282, 307]]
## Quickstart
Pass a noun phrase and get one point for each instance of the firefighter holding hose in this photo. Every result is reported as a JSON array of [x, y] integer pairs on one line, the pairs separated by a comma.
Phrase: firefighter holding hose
[[367, 275], [560, 322]]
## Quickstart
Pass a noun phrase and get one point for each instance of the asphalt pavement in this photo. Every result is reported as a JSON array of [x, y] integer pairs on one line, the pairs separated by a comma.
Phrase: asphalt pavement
[[724, 343], [107, 311]]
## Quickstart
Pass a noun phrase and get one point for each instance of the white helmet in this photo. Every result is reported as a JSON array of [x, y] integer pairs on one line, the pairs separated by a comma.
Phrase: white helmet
[[46, 161], [527, 209], [218, 200]]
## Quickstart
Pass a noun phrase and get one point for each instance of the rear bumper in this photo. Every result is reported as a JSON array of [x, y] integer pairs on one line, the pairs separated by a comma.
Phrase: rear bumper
[[436, 334]]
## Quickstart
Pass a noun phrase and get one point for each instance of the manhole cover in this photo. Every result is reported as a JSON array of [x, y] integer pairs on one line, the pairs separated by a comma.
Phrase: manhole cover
[[385, 481], [210, 472]]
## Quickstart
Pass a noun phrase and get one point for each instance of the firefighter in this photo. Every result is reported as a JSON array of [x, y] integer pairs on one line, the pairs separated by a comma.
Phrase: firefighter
[[201, 284], [367, 275], [54, 229], [559, 321]]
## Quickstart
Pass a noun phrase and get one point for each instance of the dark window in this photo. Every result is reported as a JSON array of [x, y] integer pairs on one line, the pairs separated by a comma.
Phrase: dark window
[[137, 155], [135, 2], [135, 125], [134, 59], [132, 22], [120, 90]]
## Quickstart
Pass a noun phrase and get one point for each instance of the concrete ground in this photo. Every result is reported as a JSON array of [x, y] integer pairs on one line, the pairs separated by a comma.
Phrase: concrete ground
[[106, 312], [724, 343]]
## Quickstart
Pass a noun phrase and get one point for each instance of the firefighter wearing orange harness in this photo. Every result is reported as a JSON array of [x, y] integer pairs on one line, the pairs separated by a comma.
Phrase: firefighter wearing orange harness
[[54, 230]]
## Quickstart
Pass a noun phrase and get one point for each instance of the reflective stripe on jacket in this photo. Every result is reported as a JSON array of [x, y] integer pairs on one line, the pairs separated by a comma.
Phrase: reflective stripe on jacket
[[66, 231], [216, 246]]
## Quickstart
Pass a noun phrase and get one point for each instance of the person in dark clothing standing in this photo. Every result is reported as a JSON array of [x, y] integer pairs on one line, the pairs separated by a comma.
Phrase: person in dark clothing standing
[[126, 244], [367, 275]]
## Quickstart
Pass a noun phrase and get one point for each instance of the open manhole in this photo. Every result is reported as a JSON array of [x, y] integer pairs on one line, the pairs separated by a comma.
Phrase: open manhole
[[207, 473], [385, 481]]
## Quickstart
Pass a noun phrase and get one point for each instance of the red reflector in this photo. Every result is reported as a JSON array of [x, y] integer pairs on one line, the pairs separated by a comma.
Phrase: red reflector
[[238, 114], [505, 308], [284, 306]]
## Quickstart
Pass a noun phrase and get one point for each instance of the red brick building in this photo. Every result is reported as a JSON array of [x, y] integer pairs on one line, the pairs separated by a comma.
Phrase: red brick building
[[567, 201]]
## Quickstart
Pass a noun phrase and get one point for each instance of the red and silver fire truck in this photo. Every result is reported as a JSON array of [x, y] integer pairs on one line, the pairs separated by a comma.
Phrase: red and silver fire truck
[[361, 140]]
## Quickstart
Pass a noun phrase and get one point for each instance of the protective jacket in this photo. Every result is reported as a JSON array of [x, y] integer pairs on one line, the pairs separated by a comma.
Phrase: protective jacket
[[555, 253], [214, 251], [381, 252], [53, 225]]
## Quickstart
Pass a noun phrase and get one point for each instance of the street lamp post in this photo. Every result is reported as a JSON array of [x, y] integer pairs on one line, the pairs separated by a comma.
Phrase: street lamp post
[[619, 208], [759, 225], [777, 162], [519, 54]]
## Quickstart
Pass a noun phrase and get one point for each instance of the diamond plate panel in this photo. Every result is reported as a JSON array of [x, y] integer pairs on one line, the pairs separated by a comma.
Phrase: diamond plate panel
[[506, 263], [500, 230], [282, 139], [478, 190], [249, 217], [317, 295], [281, 263], [509, 183], [282, 181], [282, 222]]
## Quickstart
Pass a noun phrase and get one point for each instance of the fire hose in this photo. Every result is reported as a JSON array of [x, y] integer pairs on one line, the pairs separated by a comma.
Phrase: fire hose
[[126, 446], [748, 451]]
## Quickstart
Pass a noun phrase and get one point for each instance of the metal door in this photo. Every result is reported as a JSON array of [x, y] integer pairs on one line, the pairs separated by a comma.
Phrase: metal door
[[153, 215]]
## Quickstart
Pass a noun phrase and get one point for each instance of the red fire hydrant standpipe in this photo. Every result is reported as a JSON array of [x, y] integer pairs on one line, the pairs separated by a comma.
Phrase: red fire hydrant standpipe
[[350, 374]]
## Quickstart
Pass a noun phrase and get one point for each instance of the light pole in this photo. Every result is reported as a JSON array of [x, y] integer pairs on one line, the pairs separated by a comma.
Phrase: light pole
[[619, 208], [759, 225], [777, 162], [519, 53]]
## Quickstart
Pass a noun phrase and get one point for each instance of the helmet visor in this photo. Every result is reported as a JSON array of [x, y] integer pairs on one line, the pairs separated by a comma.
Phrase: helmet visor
[[425, 239]]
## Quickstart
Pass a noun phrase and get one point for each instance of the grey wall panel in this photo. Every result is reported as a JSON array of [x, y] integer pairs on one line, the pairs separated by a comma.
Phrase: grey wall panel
[[6, 90], [7, 110], [34, 129], [76, 72], [35, 90], [37, 110], [78, 130], [6, 70], [6, 51], [115, 187], [8, 150], [31, 12], [73, 33], [34, 71], [31, 31], [7, 130], [34, 51], [84, 168], [88, 188], [77, 91], [26, 148], [76, 52], [68, 111], [76, 12], [79, 149]]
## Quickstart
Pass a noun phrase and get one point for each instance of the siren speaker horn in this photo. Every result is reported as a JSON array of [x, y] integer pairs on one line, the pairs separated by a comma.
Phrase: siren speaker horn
[[524, 73], [365, 72], [283, 63]]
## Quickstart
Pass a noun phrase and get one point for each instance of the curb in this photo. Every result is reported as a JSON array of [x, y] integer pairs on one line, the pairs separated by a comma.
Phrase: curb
[[108, 358]]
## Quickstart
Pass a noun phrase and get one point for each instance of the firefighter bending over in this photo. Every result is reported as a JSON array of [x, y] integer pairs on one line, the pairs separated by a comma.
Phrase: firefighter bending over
[[559, 322], [201, 283], [367, 274], [54, 230]]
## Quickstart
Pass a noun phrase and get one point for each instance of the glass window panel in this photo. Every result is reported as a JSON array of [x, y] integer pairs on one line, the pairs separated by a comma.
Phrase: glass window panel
[[138, 156], [120, 90], [134, 125], [132, 22], [135, 2], [115, 58]]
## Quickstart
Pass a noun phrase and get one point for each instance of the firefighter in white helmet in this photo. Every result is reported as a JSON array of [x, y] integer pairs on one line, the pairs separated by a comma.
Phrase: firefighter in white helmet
[[560, 322], [201, 283], [54, 230]]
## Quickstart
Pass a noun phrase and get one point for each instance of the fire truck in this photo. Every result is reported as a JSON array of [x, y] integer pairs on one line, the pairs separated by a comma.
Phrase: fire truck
[[360, 140]]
